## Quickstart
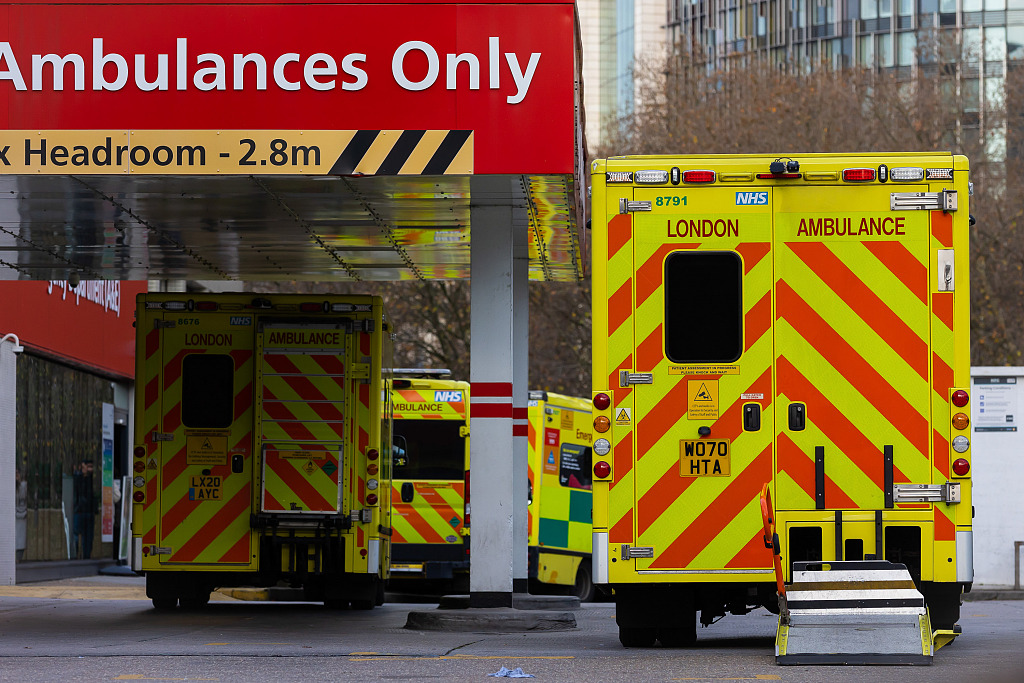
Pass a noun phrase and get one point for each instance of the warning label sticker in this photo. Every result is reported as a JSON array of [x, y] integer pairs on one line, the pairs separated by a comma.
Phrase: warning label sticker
[[206, 448], [623, 417], [703, 370], [703, 399]]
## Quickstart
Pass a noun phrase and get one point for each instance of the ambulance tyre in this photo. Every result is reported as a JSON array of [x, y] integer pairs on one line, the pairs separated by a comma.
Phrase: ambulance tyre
[[336, 603], [584, 588], [165, 603], [678, 637], [637, 636], [196, 601]]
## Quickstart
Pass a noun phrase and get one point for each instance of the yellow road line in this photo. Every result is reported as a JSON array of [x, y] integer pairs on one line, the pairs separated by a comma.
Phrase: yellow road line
[[410, 658]]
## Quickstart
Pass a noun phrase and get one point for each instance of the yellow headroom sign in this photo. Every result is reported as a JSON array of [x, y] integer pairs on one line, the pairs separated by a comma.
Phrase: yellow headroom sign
[[237, 152]]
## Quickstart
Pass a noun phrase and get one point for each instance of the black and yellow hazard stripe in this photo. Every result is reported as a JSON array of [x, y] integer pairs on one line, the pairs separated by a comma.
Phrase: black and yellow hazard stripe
[[406, 152]]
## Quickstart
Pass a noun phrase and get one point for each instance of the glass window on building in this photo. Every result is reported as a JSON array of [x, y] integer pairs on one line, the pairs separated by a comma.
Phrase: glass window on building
[[972, 45], [907, 46], [1014, 4], [995, 5], [928, 6], [884, 8], [995, 143], [1015, 42], [947, 6], [972, 5], [869, 9], [994, 93], [883, 48], [59, 462], [995, 43], [906, 8], [866, 51], [970, 90]]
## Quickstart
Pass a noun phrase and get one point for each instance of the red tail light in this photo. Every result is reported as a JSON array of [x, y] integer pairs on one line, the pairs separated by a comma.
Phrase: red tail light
[[140, 451], [858, 175], [371, 499], [961, 467], [206, 305], [138, 496], [960, 398], [602, 469], [602, 401], [311, 307], [372, 454], [698, 176]]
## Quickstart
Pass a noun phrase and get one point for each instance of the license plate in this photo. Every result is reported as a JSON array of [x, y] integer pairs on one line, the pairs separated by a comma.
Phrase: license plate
[[704, 458]]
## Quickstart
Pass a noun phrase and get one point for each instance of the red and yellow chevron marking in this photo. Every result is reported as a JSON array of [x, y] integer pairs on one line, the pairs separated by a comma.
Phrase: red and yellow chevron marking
[[672, 512], [619, 293], [303, 396], [852, 325], [433, 516], [305, 479], [852, 337], [419, 403], [151, 366], [204, 531]]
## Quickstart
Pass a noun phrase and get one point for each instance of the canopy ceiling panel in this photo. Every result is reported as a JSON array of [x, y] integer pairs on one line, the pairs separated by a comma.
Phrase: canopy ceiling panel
[[273, 227]]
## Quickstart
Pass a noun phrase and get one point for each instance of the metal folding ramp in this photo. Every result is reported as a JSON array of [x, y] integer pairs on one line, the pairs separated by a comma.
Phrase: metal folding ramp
[[857, 612], [864, 612]]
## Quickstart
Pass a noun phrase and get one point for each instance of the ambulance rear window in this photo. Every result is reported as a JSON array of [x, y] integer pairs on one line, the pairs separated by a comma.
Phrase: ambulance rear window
[[703, 307], [207, 394], [429, 449]]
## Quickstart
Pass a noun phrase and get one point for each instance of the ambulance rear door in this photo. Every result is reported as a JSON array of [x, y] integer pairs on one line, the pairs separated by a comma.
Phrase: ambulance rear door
[[852, 343], [205, 453], [702, 388]]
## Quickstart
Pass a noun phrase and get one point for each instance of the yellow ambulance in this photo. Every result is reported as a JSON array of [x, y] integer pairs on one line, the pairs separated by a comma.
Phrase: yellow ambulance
[[560, 434], [800, 321], [430, 450], [260, 424]]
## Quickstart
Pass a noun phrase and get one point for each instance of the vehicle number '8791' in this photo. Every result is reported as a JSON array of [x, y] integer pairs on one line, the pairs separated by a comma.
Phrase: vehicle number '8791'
[[704, 458]]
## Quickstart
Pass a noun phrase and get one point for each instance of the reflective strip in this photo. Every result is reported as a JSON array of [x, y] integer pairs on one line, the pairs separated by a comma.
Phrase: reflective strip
[[373, 556], [599, 558], [965, 556]]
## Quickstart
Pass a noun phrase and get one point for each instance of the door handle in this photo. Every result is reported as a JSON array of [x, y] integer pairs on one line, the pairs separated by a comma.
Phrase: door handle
[[408, 492], [797, 417], [752, 417]]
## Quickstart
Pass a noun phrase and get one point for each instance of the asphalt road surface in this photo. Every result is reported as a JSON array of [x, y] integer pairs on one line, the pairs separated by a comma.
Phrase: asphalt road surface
[[96, 630]]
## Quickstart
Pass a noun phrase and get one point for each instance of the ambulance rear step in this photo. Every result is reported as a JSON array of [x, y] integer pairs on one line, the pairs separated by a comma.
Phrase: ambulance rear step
[[866, 612]]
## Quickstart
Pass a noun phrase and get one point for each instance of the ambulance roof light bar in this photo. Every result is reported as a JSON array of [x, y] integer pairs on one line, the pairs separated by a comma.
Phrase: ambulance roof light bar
[[423, 372], [783, 167]]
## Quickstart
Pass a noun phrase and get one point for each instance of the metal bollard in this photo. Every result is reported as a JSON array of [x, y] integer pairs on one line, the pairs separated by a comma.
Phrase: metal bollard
[[1016, 564]]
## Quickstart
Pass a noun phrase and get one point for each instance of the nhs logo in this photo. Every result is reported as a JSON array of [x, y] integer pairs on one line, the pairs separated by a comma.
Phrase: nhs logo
[[448, 397], [241, 320], [751, 198]]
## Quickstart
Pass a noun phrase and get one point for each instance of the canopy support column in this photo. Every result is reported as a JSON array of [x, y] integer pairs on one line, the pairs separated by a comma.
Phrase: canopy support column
[[520, 398], [492, 471]]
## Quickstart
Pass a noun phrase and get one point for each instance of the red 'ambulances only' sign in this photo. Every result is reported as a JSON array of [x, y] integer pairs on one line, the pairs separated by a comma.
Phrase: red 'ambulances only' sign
[[503, 72]]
